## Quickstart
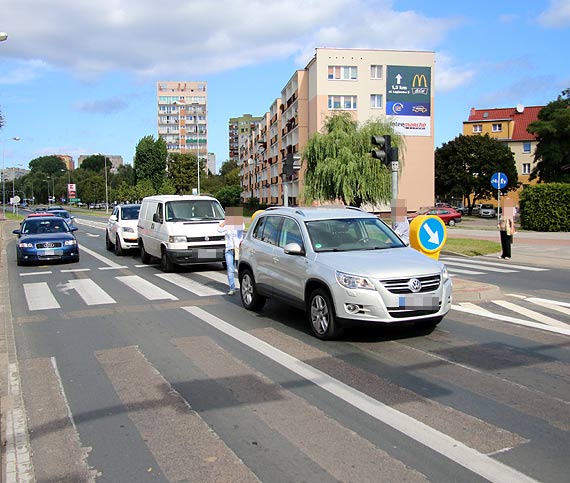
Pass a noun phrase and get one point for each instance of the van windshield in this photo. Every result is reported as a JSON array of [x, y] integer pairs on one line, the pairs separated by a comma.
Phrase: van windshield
[[194, 210]]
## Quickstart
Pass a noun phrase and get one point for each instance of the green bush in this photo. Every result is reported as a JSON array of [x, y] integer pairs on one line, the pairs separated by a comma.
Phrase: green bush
[[546, 207]]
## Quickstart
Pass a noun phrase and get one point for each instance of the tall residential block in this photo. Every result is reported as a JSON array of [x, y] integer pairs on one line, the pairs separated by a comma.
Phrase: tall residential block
[[182, 114], [239, 131], [396, 86]]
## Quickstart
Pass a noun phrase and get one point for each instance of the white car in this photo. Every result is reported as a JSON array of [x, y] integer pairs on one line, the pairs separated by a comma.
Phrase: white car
[[121, 233]]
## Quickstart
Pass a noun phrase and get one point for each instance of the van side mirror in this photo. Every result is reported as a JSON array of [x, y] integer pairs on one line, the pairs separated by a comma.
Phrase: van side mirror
[[157, 218]]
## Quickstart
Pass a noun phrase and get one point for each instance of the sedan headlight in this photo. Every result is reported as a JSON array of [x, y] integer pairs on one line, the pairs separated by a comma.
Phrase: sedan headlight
[[444, 274], [353, 281], [25, 245], [70, 242], [177, 239], [128, 229]]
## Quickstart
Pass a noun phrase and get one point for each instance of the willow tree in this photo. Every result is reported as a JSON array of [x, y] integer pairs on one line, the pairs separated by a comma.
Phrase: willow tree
[[340, 166]]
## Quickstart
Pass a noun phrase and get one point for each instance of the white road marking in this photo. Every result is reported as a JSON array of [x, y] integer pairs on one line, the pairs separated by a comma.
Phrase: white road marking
[[118, 267], [92, 235], [465, 272], [72, 270], [445, 445], [514, 320], [39, 296], [474, 265], [474, 307], [147, 289], [101, 258], [496, 264], [149, 265], [530, 313], [29, 274], [190, 285], [90, 292], [221, 277], [549, 305], [553, 302]]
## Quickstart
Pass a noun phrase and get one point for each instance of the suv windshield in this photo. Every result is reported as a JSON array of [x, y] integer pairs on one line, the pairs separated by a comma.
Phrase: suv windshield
[[193, 210], [130, 212], [351, 234]]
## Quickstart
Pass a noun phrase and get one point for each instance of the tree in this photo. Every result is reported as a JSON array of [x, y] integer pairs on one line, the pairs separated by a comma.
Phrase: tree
[[465, 165], [340, 166], [95, 162], [150, 161], [229, 195], [48, 165], [183, 172], [552, 129]]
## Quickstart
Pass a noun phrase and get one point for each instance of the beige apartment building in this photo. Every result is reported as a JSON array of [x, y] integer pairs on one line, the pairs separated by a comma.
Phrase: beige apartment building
[[182, 116], [393, 85]]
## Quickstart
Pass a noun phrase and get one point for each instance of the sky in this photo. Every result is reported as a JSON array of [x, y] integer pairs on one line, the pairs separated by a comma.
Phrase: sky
[[79, 77]]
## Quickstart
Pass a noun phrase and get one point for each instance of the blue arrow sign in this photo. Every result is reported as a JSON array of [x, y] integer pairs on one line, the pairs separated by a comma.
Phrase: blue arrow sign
[[432, 233], [499, 180]]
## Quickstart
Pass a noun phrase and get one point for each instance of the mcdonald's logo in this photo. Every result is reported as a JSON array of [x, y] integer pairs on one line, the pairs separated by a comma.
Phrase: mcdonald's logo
[[420, 84]]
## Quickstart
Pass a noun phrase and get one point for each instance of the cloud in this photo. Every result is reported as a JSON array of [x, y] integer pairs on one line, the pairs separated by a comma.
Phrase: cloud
[[517, 91], [557, 15], [449, 77], [195, 38], [103, 106], [24, 72]]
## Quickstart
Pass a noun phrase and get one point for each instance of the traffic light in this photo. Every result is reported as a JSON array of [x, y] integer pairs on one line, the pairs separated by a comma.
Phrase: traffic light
[[383, 152]]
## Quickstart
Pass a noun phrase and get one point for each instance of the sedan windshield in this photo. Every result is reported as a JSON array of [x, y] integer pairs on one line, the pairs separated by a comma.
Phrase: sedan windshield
[[38, 227], [194, 210], [351, 235]]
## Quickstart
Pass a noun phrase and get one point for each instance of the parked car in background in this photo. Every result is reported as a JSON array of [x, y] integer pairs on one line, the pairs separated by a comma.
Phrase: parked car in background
[[55, 207], [46, 238], [448, 215], [121, 233], [63, 214], [343, 266], [487, 211]]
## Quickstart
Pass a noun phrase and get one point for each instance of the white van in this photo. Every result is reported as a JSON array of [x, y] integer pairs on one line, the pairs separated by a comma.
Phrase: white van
[[180, 230]]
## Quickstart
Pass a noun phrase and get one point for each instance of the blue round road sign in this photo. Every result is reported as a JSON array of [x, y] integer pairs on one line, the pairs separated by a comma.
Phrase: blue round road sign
[[499, 180], [431, 233]]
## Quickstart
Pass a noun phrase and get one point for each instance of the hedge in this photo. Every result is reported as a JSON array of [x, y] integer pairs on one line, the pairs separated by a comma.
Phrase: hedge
[[545, 207]]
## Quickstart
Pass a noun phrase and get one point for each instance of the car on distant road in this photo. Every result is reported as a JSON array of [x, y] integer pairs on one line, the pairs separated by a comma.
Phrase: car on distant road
[[343, 266], [121, 233], [448, 215], [63, 214], [487, 211], [54, 208], [46, 238]]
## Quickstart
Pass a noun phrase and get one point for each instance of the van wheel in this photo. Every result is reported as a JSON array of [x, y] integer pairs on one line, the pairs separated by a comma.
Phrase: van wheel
[[250, 299], [165, 264], [108, 244], [145, 257], [118, 248], [322, 316]]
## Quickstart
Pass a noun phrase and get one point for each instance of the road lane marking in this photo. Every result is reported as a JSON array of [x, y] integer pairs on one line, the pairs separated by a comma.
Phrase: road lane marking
[[495, 264], [532, 314], [456, 451], [90, 292], [118, 267], [101, 258], [73, 270], [474, 265], [29, 274], [550, 302], [190, 285], [39, 296], [147, 289], [514, 320]]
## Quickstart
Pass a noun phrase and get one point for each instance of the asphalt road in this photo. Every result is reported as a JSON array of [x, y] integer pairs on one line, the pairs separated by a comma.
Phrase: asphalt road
[[127, 374]]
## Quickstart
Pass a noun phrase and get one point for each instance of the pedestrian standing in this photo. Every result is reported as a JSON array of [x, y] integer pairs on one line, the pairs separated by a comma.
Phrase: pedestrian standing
[[507, 229], [232, 227], [400, 221]]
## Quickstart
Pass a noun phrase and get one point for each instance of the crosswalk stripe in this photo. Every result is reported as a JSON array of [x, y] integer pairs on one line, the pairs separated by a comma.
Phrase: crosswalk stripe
[[465, 272], [474, 265], [530, 313], [458, 452], [218, 276], [147, 289], [90, 292], [190, 285], [552, 303], [495, 264], [472, 306], [39, 296]]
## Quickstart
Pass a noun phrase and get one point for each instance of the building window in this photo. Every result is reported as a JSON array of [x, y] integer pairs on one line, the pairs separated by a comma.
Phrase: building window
[[526, 147], [339, 72], [342, 102], [526, 168], [375, 101], [376, 71], [497, 128], [477, 128]]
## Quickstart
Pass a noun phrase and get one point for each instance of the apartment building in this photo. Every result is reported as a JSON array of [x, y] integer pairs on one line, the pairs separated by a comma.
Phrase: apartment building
[[182, 116], [68, 160], [508, 125], [240, 129], [393, 85]]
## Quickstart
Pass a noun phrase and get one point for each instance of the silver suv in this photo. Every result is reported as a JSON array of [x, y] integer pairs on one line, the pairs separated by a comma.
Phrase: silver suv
[[343, 266]]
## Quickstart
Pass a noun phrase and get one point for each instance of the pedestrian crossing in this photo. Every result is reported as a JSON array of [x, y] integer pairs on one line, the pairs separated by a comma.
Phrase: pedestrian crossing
[[478, 266]]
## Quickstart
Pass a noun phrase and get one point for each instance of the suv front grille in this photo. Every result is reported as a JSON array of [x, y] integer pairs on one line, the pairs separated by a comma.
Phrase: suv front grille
[[400, 285]]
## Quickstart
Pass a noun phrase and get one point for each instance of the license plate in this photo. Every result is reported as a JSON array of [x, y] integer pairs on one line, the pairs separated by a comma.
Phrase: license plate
[[419, 302], [48, 252]]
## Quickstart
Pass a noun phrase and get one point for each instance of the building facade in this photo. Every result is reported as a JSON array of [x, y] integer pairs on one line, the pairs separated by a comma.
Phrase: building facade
[[240, 129], [182, 116], [113, 160], [508, 125], [68, 160], [396, 86]]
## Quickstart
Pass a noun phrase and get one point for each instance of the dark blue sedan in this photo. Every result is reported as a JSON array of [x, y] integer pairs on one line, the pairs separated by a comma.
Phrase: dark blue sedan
[[42, 239]]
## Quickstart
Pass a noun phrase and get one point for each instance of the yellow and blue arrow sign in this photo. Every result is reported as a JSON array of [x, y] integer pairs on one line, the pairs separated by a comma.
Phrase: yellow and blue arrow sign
[[428, 234]]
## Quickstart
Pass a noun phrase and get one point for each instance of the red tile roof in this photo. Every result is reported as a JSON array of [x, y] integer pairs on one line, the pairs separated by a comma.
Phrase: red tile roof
[[521, 119]]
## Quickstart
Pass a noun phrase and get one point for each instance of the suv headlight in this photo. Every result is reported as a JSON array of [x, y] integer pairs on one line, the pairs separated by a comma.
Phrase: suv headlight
[[353, 281], [176, 239], [444, 274]]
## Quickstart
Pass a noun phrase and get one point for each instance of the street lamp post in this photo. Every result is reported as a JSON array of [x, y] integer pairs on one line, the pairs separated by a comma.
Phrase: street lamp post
[[15, 138], [106, 187]]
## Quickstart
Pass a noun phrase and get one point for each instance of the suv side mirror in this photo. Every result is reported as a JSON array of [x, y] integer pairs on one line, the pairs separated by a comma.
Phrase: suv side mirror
[[293, 249]]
